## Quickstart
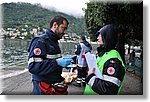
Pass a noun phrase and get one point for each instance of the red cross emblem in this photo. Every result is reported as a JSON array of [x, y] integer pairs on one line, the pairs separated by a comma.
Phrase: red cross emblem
[[37, 51], [111, 70]]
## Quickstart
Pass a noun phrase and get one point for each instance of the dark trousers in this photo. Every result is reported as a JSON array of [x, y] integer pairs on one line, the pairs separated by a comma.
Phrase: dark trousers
[[82, 72], [36, 88]]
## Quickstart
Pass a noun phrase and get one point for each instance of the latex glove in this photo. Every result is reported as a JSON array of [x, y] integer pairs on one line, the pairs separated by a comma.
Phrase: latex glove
[[64, 62]]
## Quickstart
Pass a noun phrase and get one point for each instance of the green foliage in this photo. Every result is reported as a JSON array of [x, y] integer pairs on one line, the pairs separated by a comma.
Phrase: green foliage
[[94, 17], [17, 15], [128, 17], [134, 42]]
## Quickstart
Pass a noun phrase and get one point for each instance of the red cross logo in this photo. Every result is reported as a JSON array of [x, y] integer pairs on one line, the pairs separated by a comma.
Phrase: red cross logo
[[37, 51], [111, 70]]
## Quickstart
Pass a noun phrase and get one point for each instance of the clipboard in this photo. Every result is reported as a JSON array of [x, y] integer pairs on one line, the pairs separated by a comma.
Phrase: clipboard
[[91, 62]]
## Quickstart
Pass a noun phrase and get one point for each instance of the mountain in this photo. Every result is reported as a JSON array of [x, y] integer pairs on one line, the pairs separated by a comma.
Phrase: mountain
[[17, 15]]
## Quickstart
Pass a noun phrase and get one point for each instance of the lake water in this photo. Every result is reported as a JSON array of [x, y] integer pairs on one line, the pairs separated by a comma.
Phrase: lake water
[[14, 51], [14, 55]]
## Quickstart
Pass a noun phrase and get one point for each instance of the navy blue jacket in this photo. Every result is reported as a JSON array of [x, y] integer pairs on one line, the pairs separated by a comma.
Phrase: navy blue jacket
[[43, 68]]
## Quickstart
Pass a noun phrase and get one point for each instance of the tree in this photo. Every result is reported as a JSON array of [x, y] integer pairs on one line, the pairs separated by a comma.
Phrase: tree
[[127, 16]]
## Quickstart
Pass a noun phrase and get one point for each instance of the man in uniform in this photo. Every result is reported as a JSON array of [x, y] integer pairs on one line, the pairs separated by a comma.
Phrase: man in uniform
[[45, 62], [80, 51]]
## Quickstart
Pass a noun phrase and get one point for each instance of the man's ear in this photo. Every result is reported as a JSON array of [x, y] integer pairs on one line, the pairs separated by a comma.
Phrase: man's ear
[[55, 25]]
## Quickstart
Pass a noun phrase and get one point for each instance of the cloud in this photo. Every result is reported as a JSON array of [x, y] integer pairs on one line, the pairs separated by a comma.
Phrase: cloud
[[72, 7]]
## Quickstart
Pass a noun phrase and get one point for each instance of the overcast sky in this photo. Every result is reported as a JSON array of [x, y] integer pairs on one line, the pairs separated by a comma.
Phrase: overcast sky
[[73, 7]]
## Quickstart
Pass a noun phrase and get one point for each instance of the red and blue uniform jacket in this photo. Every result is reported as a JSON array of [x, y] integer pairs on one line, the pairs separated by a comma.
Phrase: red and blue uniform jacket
[[43, 52]]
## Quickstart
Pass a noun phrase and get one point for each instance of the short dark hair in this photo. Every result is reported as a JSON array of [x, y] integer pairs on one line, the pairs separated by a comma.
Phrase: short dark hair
[[83, 38], [59, 20]]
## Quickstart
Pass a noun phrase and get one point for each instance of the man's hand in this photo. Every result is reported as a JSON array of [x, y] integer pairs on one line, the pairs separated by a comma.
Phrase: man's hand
[[64, 62]]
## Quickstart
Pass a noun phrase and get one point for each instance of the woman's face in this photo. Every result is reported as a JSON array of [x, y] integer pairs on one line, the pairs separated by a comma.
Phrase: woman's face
[[100, 41]]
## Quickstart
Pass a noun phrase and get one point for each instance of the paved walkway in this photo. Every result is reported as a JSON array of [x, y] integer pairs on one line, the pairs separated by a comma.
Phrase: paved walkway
[[21, 84]]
